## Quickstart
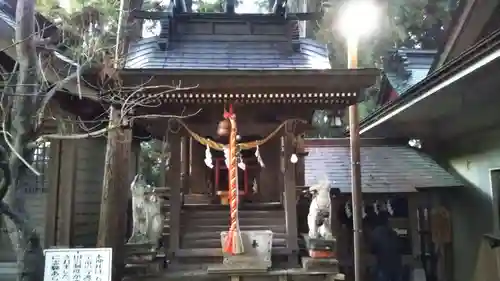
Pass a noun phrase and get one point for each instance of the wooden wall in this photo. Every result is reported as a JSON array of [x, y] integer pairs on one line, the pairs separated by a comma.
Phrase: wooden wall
[[76, 189], [34, 191], [35, 209], [270, 179], [88, 177]]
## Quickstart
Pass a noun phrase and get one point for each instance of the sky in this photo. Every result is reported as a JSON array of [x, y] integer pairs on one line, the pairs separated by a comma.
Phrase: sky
[[248, 7]]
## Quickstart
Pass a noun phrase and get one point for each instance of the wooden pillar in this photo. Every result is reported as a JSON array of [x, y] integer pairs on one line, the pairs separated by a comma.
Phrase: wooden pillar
[[53, 193], [114, 200], [289, 198], [300, 169], [184, 164], [66, 193], [197, 168], [163, 164], [174, 182]]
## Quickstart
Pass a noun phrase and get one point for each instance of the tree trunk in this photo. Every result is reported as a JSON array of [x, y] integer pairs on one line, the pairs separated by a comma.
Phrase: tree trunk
[[25, 240], [115, 192]]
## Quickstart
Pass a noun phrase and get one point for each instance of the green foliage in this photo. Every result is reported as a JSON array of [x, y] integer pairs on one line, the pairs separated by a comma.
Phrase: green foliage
[[88, 27], [208, 6], [412, 24], [150, 161]]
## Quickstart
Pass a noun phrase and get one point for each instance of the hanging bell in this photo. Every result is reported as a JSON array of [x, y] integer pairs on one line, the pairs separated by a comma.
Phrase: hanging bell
[[223, 129]]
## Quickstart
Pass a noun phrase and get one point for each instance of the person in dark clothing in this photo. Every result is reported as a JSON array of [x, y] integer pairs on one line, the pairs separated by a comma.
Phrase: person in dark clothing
[[387, 251]]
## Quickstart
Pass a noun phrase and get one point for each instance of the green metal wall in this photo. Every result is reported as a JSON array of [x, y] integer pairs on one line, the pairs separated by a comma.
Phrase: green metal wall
[[471, 158]]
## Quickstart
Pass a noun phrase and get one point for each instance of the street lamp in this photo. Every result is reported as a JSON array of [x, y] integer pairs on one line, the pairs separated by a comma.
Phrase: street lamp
[[357, 19]]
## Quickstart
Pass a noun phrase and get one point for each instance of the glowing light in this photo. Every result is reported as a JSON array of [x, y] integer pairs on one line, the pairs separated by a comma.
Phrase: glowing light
[[358, 18], [294, 159]]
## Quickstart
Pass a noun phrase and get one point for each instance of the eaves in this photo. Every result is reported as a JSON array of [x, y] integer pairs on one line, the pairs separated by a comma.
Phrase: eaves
[[467, 23], [478, 55]]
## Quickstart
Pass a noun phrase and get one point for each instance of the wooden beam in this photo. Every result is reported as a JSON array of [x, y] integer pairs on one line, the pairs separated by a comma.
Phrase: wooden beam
[[230, 6], [244, 129], [54, 167], [279, 7], [255, 82], [114, 200], [140, 14], [290, 198], [466, 30]]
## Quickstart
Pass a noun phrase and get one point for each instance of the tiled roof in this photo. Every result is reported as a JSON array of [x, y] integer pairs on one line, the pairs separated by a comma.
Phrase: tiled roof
[[384, 168], [210, 54], [405, 68]]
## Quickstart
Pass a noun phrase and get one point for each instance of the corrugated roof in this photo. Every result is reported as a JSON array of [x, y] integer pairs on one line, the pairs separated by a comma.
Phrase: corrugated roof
[[236, 54], [390, 168]]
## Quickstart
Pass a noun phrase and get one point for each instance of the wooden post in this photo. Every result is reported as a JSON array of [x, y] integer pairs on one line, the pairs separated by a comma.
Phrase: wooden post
[[173, 175], [289, 198], [66, 193], [197, 168], [163, 157], [114, 200], [184, 164], [53, 194]]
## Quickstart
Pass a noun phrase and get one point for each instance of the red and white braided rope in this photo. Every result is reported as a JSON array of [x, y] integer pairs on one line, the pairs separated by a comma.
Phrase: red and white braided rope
[[233, 244]]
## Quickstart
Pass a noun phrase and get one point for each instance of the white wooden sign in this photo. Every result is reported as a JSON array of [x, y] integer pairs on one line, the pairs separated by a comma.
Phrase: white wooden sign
[[85, 264]]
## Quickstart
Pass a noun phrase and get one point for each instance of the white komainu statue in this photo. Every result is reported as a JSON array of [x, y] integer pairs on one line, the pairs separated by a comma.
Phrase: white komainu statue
[[318, 218], [146, 213]]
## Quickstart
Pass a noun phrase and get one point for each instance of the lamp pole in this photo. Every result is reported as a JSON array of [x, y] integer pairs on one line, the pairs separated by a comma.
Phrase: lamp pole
[[356, 192], [357, 19]]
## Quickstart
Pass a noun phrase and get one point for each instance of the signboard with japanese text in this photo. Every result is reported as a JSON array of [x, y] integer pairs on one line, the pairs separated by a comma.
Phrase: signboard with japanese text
[[85, 264]]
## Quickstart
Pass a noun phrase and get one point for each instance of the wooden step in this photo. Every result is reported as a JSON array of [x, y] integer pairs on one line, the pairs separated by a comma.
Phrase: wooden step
[[217, 252], [197, 199], [216, 235], [215, 243], [225, 213], [280, 227], [242, 207], [150, 268], [189, 222], [161, 190]]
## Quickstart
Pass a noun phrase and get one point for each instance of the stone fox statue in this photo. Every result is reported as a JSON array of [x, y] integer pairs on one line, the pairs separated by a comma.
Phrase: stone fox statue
[[147, 217], [318, 219]]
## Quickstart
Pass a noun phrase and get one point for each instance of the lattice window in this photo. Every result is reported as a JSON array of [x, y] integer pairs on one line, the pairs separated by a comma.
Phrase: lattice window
[[40, 162]]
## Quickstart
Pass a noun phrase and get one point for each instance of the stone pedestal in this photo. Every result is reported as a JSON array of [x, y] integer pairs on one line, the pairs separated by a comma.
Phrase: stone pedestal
[[321, 248], [256, 257], [322, 255], [320, 264]]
